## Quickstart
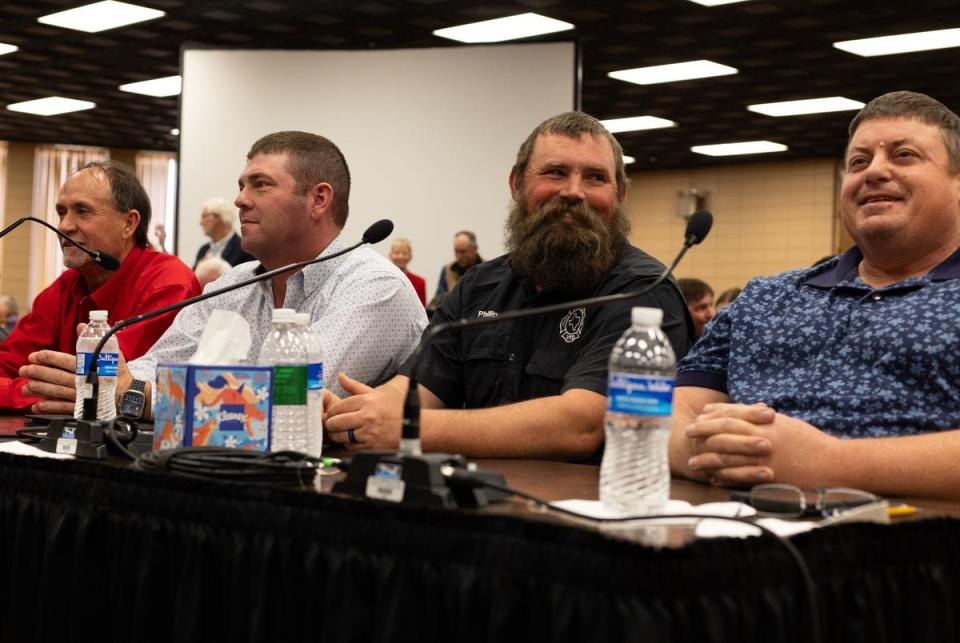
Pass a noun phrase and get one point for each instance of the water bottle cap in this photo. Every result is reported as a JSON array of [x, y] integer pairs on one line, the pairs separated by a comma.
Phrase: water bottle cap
[[303, 319], [646, 316], [98, 315], [284, 315]]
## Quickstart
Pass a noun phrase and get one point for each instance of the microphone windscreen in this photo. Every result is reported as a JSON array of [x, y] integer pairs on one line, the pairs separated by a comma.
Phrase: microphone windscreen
[[107, 262], [698, 226], [378, 231]]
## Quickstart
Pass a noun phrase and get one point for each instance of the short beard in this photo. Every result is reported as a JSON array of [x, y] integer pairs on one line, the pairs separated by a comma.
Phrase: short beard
[[74, 258], [564, 255]]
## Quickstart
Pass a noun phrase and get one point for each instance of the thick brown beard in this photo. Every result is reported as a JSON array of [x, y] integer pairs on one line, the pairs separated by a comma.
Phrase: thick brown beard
[[564, 255]]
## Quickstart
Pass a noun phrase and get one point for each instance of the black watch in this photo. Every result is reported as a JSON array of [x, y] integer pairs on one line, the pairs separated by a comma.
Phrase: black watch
[[133, 400]]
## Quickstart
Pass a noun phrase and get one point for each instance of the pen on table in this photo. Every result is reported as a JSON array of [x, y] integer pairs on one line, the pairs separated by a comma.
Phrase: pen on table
[[899, 511]]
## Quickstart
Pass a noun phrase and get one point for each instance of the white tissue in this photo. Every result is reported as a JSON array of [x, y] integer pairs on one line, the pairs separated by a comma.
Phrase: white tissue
[[225, 339]]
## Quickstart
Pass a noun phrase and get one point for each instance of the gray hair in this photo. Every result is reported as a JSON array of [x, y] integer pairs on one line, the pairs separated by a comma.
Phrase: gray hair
[[468, 235], [222, 208]]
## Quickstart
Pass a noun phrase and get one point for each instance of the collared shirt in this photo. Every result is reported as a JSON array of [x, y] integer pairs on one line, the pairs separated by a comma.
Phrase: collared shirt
[[361, 304], [147, 280], [215, 248], [541, 356], [823, 346]]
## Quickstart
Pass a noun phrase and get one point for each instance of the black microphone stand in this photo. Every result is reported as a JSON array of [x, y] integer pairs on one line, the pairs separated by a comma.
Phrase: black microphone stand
[[90, 432], [104, 260], [372, 473]]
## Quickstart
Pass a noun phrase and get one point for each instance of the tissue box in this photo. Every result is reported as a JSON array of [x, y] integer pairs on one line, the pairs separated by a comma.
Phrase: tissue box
[[222, 406]]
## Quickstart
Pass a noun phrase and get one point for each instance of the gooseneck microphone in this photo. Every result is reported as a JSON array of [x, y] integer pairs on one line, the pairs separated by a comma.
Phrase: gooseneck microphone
[[104, 260], [426, 469]]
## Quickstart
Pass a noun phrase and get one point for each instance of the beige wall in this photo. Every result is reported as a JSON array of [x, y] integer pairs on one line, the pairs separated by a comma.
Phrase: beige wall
[[19, 201], [768, 218]]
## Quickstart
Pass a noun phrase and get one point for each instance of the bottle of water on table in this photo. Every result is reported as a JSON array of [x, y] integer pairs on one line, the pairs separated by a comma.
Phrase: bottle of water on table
[[314, 385], [106, 366], [285, 352], [635, 473]]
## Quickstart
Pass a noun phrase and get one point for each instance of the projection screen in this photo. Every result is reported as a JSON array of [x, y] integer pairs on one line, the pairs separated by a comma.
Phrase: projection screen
[[429, 134]]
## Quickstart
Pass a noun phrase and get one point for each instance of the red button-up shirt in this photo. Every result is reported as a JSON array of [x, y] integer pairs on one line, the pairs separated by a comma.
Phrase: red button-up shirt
[[146, 280]]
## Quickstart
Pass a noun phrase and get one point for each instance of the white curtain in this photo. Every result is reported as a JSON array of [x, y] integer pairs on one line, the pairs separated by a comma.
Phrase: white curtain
[[52, 166], [154, 172]]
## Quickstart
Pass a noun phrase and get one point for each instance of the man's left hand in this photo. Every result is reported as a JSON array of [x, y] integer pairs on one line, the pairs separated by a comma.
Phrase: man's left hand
[[52, 376]]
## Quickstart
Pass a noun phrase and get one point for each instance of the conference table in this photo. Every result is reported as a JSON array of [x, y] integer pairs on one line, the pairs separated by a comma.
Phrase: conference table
[[99, 551]]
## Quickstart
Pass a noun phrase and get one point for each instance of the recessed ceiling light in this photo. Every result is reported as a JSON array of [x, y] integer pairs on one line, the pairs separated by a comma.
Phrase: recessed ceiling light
[[7, 49], [715, 3], [627, 160], [636, 123], [672, 73], [902, 43], [523, 25], [166, 86], [734, 149], [100, 16], [51, 106], [175, 132], [807, 106]]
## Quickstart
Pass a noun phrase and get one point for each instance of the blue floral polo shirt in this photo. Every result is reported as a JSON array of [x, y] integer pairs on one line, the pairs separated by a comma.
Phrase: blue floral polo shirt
[[823, 346]]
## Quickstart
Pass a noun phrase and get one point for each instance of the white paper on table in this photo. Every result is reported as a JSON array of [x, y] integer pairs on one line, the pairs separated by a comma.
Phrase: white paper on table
[[22, 448]]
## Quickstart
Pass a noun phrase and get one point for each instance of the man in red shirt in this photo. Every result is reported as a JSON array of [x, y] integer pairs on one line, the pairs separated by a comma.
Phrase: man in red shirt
[[104, 207]]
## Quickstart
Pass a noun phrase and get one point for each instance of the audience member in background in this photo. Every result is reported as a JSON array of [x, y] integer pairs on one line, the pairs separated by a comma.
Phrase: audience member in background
[[845, 375], [294, 202], [210, 269], [465, 251], [726, 298], [699, 298], [104, 207], [8, 315], [533, 388], [401, 253], [216, 219]]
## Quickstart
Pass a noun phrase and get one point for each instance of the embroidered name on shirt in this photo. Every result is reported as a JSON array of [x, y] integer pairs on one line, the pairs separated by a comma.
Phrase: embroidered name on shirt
[[571, 326], [487, 313]]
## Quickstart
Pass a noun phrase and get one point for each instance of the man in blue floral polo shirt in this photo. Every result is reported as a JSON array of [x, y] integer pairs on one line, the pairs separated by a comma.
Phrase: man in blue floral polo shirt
[[846, 374]]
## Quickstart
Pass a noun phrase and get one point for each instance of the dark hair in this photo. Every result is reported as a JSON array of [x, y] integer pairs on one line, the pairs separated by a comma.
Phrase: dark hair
[[127, 194], [573, 125], [311, 159], [727, 297], [904, 104], [694, 289]]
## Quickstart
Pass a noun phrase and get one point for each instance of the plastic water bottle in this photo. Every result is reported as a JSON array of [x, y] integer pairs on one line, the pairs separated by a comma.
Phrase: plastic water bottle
[[635, 473], [285, 351], [106, 367], [314, 347]]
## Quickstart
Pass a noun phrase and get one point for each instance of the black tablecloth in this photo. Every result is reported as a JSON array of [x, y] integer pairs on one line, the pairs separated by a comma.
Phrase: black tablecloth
[[94, 552]]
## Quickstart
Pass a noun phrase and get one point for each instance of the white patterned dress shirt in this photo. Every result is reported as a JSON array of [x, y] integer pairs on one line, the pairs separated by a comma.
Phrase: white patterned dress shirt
[[363, 307]]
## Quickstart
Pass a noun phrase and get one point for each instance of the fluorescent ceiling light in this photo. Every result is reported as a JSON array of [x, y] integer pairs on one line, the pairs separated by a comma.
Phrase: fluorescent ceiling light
[[166, 86], [500, 29], [7, 49], [51, 106], [734, 149], [636, 123], [715, 3], [627, 160], [100, 16], [902, 43], [672, 73], [808, 106]]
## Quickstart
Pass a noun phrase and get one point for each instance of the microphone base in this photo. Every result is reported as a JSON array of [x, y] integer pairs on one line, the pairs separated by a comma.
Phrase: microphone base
[[416, 480], [85, 438]]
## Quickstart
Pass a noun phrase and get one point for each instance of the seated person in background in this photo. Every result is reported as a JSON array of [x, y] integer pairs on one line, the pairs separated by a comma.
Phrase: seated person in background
[[846, 374], [294, 201], [104, 207], [547, 376], [210, 269], [216, 219], [726, 298], [401, 252], [699, 297], [465, 251], [8, 315]]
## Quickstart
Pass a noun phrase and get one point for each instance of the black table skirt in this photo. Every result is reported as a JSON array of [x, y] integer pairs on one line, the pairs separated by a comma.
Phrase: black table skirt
[[94, 552]]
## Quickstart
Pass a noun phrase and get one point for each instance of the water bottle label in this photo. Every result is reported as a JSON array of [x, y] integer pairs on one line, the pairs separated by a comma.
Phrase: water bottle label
[[640, 394], [83, 363], [107, 365], [289, 385], [315, 376]]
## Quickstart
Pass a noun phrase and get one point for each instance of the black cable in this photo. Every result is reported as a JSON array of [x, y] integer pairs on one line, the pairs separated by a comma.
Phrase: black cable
[[280, 468], [464, 477]]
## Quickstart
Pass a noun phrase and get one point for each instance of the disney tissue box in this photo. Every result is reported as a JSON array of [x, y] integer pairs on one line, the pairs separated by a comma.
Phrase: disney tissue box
[[217, 406]]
